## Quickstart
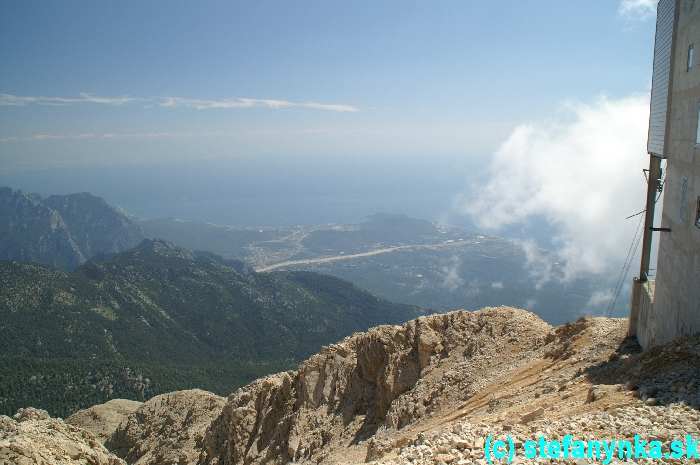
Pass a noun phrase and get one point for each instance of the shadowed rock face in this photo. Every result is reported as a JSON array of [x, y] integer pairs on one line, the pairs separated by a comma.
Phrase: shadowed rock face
[[384, 378]]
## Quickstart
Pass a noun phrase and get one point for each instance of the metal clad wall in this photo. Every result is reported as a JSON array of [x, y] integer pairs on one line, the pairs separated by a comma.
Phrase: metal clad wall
[[663, 49]]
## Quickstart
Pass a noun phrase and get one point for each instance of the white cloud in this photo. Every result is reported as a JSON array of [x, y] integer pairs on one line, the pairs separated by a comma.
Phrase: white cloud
[[638, 9], [329, 106], [451, 278], [105, 135], [497, 285], [200, 104], [540, 264], [582, 174], [101, 135], [599, 300], [20, 101], [89, 98], [10, 100]]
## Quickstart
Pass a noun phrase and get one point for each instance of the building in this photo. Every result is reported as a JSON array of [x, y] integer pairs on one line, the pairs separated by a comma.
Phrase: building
[[667, 305]]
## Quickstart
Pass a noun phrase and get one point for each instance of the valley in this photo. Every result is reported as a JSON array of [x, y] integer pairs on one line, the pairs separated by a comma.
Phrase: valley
[[407, 260], [353, 256]]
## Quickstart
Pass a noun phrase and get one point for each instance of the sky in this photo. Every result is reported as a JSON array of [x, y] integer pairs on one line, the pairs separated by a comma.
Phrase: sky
[[152, 82], [498, 115]]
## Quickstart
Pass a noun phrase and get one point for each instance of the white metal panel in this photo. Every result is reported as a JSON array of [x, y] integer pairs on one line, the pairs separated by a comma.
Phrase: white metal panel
[[661, 78]]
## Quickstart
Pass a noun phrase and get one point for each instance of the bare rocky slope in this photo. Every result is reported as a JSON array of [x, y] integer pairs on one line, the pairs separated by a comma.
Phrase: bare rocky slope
[[167, 429], [102, 420], [426, 392], [380, 380]]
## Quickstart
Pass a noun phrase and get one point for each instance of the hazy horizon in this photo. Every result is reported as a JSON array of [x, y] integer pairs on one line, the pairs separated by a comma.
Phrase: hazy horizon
[[279, 115]]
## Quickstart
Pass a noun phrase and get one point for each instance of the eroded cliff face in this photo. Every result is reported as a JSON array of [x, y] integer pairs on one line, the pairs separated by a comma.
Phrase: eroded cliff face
[[383, 379]]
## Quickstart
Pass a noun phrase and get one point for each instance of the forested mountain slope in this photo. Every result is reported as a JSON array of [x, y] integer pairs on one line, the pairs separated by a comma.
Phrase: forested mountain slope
[[158, 318]]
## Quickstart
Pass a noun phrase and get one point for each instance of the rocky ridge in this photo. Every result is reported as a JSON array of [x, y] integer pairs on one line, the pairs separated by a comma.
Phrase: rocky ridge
[[376, 381], [427, 392], [595, 384]]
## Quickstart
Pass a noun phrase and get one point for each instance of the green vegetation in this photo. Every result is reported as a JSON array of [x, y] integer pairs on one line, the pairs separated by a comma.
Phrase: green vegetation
[[159, 318], [63, 386]]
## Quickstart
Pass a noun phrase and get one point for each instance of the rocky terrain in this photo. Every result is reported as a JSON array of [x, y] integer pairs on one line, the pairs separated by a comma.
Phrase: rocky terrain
[[167, 429], [426, 392], [102, 420], [381, 380], [32, 437]]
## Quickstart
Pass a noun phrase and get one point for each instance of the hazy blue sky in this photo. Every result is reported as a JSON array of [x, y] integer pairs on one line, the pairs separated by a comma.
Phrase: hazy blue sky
[[168, 80], [483, 113]]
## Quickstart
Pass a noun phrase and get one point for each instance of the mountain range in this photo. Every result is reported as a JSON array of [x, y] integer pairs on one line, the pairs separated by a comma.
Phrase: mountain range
[[393, 256], [62, 230], [91, 310], [159, 317]]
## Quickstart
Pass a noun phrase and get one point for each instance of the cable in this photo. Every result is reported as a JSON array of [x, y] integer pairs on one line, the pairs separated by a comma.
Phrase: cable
[[661, 183], [638, 213], [631, 252], [624, 272], [627, 271], [634, 245]]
